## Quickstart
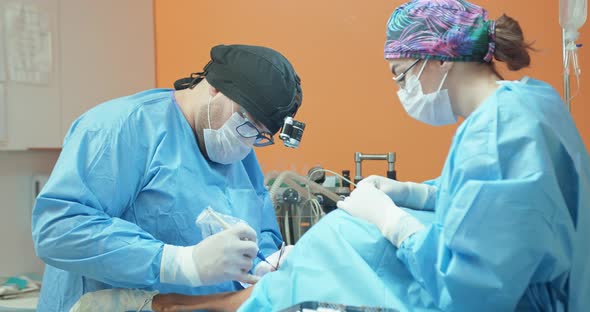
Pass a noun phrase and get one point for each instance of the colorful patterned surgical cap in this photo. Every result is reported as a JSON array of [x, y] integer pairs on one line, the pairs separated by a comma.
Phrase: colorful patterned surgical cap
[[448, 30]]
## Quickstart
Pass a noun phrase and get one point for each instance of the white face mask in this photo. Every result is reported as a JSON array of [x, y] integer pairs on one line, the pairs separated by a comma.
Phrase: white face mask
[[225, 145], [434, 108]]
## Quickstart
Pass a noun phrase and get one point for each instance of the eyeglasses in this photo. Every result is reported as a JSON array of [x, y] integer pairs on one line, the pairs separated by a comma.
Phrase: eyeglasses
[[249, 130], [399, 79]]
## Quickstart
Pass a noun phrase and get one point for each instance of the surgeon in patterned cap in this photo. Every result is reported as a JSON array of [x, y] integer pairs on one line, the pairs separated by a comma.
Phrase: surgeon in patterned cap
[[511, 203]]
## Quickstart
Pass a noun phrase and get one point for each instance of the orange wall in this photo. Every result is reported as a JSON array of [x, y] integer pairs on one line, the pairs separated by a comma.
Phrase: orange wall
[[350, 101]]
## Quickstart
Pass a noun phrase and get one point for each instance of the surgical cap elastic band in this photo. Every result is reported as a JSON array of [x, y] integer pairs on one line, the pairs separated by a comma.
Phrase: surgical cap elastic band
[[492, 44]]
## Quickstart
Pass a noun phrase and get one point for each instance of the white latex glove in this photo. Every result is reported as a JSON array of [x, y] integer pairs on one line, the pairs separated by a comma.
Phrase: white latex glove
[[373, 205], [115, 300], [262, 268], [224, 256], [406, 194]]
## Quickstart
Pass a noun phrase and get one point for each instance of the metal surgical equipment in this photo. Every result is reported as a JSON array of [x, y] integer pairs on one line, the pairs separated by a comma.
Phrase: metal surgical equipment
[[389, 157]]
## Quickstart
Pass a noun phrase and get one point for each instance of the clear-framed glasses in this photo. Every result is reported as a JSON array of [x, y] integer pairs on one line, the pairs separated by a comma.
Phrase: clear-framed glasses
[[400, 79], [249, 130]]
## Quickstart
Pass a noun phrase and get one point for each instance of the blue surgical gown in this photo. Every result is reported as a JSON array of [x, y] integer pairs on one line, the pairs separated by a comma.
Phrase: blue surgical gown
[[130, 178], [510, 228], [512, 210]]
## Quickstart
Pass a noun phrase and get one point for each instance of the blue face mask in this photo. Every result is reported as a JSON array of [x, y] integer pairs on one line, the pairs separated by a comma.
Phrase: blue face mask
[[433, 108], [225, 145]]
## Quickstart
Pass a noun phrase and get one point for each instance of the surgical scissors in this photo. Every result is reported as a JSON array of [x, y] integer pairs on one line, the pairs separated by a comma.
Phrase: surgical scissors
[[280, 255]]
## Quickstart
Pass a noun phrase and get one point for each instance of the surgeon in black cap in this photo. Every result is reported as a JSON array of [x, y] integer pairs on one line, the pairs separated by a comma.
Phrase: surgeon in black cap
[[121, 208], [262, 90]]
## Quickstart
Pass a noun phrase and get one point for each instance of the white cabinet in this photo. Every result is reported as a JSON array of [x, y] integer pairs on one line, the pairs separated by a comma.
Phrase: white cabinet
[[99, 50]]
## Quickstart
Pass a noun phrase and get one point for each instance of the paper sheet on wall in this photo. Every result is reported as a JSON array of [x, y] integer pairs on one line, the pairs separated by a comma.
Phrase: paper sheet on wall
[[3, 120], [28, 43]]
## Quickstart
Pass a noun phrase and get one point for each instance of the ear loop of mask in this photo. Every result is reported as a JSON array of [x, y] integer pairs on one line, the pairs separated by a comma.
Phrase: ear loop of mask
[[209, 111], [441, 83]]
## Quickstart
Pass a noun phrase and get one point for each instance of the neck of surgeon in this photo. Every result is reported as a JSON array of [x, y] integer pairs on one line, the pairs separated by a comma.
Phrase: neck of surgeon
[[470, 84]]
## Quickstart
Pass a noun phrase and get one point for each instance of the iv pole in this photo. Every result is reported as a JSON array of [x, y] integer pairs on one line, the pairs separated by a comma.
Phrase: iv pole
[[566, 73], [572, 16]]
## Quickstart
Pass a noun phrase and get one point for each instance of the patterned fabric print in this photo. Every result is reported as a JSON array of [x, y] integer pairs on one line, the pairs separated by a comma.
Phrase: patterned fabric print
[[449, 30]]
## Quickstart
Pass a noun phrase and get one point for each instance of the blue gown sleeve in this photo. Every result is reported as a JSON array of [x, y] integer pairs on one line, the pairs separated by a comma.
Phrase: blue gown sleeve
[[76, 225], [500, 230], [269, 238], [430, 204]]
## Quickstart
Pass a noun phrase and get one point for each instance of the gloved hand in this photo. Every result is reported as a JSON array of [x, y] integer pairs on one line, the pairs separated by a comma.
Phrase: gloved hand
[[373, 205], [406, 194], [114, 300], [224, 256], [262, 268]]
